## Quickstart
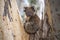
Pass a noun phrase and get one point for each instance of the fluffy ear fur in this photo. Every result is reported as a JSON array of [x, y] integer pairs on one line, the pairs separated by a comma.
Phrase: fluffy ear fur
[[25, 7]]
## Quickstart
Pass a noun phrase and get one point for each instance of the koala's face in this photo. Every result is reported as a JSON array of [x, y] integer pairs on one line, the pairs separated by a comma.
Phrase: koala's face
[[29, 11]]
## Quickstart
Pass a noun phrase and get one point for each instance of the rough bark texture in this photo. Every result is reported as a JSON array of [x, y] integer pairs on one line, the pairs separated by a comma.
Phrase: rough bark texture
[[11, 27], [55, 11]]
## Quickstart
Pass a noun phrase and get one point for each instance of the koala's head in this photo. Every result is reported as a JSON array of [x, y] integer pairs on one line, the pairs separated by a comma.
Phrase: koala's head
[[29, 11]]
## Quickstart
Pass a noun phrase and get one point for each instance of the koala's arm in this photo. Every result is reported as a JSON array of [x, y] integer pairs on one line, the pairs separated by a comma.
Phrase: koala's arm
[[30, 27]]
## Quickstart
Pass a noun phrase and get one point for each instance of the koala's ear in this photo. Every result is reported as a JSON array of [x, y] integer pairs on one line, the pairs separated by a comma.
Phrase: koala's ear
[[33, 8], [25, 7]]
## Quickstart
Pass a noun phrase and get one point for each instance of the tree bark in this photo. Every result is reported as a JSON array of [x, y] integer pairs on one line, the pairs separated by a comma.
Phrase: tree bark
[[11, 25]]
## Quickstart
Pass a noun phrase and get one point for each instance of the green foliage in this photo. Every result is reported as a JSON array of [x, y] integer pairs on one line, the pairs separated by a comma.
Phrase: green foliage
[[32, 1]]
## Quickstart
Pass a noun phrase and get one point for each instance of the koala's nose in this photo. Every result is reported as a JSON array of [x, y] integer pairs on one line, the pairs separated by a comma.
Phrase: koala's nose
[[29, 14]]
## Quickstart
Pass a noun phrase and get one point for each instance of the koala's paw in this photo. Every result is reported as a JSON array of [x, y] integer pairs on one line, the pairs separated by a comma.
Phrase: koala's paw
[[30, 28]]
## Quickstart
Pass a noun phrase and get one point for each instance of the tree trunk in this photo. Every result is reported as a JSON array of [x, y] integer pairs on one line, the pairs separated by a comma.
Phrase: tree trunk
[[10, 23]]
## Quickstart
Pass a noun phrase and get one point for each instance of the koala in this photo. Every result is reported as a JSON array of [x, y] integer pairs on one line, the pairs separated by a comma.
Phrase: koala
[[32, 24]]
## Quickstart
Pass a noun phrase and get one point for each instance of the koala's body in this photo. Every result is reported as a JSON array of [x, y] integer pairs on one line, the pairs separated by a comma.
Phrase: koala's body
[[32, 24]]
